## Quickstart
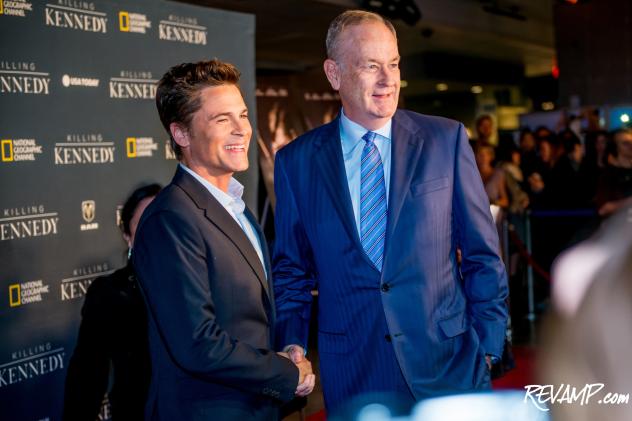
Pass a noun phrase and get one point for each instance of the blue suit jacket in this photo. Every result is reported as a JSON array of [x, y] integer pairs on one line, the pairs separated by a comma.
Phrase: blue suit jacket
[[422, 316]]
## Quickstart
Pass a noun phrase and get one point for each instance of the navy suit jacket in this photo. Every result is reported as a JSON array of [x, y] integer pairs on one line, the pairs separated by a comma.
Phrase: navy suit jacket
[[210, 311], [436, 321]]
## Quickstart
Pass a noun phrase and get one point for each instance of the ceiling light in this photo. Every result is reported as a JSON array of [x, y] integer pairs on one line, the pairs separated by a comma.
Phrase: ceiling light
[[547, 106], [442, 87]]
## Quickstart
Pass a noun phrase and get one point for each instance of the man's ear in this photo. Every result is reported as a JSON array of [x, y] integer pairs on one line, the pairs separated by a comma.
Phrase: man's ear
[[332, 71], [180, 134]]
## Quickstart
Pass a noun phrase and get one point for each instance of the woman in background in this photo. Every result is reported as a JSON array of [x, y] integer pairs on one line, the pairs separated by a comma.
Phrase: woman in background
[[113, 332], [493, 178]]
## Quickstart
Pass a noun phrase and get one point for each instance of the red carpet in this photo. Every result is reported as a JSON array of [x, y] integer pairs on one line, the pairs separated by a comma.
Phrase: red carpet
[[523, 374], [319, 416]]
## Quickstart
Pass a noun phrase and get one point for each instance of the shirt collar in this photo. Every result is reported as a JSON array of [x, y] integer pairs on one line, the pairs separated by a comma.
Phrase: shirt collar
[[231, 199], [351, 132]]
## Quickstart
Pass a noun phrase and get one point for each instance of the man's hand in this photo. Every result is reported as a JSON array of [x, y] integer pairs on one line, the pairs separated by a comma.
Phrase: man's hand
[[307, 379]]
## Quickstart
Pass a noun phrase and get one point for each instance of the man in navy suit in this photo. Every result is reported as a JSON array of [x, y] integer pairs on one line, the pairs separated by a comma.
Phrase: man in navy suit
[[203, 266], [371, 209]]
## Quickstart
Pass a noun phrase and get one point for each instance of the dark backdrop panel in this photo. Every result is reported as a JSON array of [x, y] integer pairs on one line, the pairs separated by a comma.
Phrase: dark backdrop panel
[[79, 131]]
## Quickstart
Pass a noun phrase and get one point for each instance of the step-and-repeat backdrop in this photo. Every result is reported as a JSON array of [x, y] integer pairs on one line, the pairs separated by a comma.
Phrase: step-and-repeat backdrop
[[79, 131]]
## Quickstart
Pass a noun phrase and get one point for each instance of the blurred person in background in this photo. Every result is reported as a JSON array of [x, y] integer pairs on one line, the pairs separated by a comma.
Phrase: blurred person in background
[[528, 152], [586, 338], [484, 130], [514, 179], [570, 186], [614, 189], [493, 178], [597, 150], [539, 179], [113, 332], [543, 132]]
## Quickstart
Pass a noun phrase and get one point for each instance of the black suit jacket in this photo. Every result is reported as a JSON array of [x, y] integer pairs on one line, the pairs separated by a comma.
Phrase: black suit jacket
[[113, 331], [210, 311]]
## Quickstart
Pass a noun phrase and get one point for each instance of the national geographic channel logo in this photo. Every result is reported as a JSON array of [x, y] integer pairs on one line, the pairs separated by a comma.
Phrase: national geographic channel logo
[[133, 85], [31, 363], [22, 78], [88, 212], [133, 22], [27, 222], [182, 29], [15, 7], [75, 14], [140, 147], [77, 285], [27, 293], [84, 149], [14, 150]]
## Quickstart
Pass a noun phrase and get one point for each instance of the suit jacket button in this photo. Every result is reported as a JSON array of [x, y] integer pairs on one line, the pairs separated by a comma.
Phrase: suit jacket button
[[386, 287], [387, 337]]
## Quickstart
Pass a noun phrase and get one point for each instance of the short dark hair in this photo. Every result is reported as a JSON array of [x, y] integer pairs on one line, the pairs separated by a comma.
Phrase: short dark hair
[[177, 95], [482, 118], [150, 190], [569, 140], [350, 18]]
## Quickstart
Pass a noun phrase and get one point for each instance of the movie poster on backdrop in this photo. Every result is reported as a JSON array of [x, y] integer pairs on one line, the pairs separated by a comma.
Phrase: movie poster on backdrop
[[78, 132], [286, 108]]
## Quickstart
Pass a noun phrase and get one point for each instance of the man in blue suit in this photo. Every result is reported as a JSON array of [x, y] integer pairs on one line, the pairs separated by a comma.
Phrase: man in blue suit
[[371, 209]]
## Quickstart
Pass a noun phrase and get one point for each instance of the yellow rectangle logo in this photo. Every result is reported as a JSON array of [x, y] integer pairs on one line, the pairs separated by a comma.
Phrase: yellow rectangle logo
[[131, 147], [123, 21], [14, 295], [7, 150], [1, 7]]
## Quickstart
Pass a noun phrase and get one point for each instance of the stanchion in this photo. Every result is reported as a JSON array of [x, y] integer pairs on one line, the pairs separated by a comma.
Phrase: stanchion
[[505, 235], [530, 290]]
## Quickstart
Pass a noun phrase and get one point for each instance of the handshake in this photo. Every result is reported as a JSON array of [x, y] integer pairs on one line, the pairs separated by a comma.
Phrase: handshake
[[306, 378]]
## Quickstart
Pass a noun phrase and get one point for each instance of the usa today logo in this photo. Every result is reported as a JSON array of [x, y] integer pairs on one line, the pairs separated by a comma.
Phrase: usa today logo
[[68, 81]]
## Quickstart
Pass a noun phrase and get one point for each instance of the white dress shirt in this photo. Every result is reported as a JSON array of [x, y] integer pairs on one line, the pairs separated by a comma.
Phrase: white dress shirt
[[234, 205]]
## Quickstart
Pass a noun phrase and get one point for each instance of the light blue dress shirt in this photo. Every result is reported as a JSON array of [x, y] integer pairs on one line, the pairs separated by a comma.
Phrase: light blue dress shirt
[[234, 205], [352, 144]]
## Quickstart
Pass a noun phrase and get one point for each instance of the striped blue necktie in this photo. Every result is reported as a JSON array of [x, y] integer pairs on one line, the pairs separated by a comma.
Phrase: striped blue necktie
[[372, 202]]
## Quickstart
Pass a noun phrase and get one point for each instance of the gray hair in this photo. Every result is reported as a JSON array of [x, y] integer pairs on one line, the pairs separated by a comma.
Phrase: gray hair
[[346, 19]]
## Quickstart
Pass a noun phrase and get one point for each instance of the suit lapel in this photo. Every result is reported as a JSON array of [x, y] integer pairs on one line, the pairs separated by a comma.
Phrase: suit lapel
[[329, 158], [220, 217], [406, 146], [264, 250]]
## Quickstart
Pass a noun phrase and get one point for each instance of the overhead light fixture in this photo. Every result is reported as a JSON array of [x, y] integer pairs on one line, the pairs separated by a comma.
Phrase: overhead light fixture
[[442, 87], [477, 89], [495, 7], [548, 106], [403, 83], [405, 10], [625, 118]]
